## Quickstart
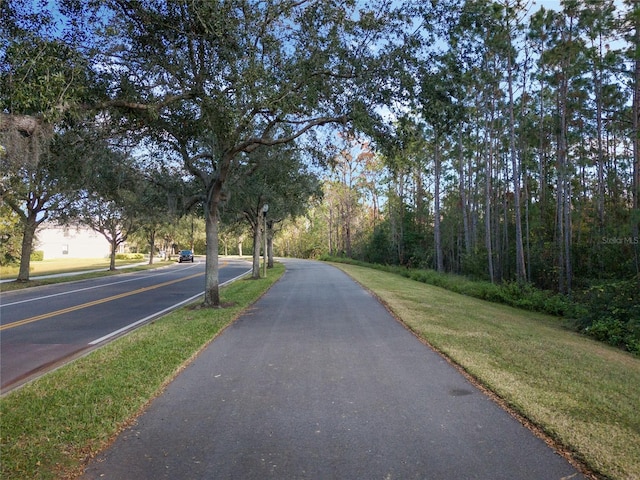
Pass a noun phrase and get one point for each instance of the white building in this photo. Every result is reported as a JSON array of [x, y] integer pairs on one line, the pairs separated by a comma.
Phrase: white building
[[71, 242]]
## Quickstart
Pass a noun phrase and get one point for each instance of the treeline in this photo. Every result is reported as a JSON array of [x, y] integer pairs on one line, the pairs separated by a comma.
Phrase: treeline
[[483, 138], [517, 164]]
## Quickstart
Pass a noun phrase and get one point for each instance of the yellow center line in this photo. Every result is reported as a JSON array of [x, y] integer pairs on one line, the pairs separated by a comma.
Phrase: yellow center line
[[91, 304]]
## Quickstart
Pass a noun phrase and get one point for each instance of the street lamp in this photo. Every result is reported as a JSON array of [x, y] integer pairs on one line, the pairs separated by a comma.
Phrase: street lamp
[[265, 209]]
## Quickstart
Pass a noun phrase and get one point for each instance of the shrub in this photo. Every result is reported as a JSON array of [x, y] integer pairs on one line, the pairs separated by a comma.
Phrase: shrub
[[8, 259], [560, 306], [129, 256], [37, 256], [611, 313], [608, 330]]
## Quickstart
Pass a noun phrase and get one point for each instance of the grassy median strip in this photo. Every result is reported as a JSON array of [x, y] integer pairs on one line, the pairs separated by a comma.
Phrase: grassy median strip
[[583, 394], [51, 426]]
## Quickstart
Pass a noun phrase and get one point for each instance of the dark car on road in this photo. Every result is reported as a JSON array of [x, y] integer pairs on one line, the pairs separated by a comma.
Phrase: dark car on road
[[185, 256]]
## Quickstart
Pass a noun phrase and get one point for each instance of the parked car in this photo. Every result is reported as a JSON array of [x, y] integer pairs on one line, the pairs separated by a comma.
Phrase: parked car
[[185, 256]]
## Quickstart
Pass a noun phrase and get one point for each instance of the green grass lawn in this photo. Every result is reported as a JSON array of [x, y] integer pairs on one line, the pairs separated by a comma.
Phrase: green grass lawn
[[51, 426], [583, 394]]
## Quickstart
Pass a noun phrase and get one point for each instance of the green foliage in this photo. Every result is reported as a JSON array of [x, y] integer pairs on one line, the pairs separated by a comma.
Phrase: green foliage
[[7, 259], [10, 236], [268, 81], [45, 76], [379, 248], [519, 295], [129, 256], [37, 256], [610, 313]]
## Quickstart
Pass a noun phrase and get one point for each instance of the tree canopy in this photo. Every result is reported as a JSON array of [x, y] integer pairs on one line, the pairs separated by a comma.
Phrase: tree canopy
[[502, 138], [215, 80]]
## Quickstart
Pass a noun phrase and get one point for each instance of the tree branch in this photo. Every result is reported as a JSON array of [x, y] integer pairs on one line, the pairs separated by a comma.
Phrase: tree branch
[[168, 100], [251, 144]]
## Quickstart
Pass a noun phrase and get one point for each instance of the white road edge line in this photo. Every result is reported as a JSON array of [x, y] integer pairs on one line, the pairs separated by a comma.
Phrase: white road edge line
[[154, 315]]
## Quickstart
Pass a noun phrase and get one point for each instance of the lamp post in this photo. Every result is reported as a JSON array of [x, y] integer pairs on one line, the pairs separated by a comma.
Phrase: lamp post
[[265, 209]]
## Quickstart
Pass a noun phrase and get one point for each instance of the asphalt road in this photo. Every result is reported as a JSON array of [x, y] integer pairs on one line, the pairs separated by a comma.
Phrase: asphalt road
[[319, 381], [42, 327]]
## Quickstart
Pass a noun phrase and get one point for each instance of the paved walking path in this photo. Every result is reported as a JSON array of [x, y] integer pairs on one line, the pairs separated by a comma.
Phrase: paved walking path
[[318, 381]]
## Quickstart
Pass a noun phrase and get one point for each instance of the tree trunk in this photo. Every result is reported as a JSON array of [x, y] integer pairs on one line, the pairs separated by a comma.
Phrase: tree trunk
[[257, 243], [487, 198], [568, 269], [29, 233], [269, 234], [437, 237], [542, 160], [504, 251], [330, 230], [562, 194], [527, 225], [598, 94], [347, 230], [400, 202], [211, 287], [152, 245], [112, 257], [418, 195], [212, 218], [463, 198], [521, 273], [635, 218]]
